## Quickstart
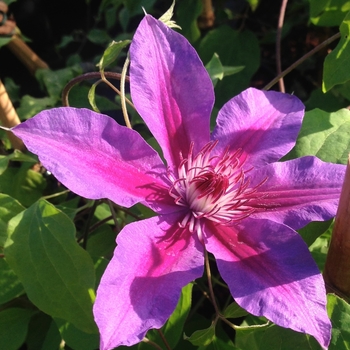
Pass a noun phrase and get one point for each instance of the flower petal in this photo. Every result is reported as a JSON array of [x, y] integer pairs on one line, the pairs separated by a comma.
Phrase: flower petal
[[142, 284], [170, 88], [271, 273], [95, 157], [299, 191], [264, 124]]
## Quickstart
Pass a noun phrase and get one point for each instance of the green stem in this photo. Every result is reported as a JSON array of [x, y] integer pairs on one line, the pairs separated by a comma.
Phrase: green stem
[[55, 194], [210, 285], [87, 225], [100, 223], [122, 93], [164, 339], [152, 343], [114, 215], [93, 75]]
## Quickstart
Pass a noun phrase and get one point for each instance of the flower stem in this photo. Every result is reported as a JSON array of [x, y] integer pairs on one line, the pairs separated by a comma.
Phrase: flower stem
[[100, 223], [114, 215], [152, 343], [164, 339], [278, 43], [57, 194], [219, 315], [301, 60], [93, 75], [337, 267], [122, 92], [210, 285], [87, 224]]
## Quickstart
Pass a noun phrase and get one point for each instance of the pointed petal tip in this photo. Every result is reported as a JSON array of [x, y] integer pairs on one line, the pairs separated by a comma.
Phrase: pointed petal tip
[[271, 273], [142, 283], [170, 88], [92, 155]]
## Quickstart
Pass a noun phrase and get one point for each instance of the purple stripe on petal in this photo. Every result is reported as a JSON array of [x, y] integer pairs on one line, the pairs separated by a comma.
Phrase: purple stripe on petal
[[264, 124], [299, 191], [97, 158], [170, 88], [271, 273], [141, 286]]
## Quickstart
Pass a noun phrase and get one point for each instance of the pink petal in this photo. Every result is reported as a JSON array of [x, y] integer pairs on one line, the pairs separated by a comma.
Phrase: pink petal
[[298, 191], [264, 124], [95, 157], [170, 88], [141, 286], [271, 273]]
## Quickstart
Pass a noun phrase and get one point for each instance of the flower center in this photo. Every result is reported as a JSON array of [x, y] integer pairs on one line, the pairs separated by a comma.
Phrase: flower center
[[212, 187]]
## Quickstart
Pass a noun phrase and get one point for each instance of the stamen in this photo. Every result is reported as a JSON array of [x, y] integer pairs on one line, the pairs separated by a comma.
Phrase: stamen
[[213, 187]]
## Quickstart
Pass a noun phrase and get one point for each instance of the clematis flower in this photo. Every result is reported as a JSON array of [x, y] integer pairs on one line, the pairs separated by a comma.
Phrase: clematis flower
[[224, 192]]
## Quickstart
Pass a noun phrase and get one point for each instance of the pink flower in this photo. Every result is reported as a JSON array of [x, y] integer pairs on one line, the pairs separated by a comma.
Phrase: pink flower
[[224, 191]]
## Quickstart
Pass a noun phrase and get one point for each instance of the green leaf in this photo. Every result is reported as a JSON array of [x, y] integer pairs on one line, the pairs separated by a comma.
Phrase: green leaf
[[112, 52], [75, 338], [262, 337], [101, 242], [13, 327], [66, 39], [43, 333], [4, 41], [78, 97], [228, 70], [30, 106], [12, 89], [313, 230], [91, 96], [219, 344], [319, 248], [325, 135], [98, 36], [10, 286], [9, 207], [135, 7], [70, 207], [100, 267], [8, 2], [330, 101], [23, 184], [203, 337], [111, 16], [15, 156], [173, 328], [215, 69], [235, 48], [335, 69], [253, 4], [187, 14], [102, 212], [57, 274], [328, 13], [166, 18], [55, 80], [234, 311], [339, 313], [344, 91]]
